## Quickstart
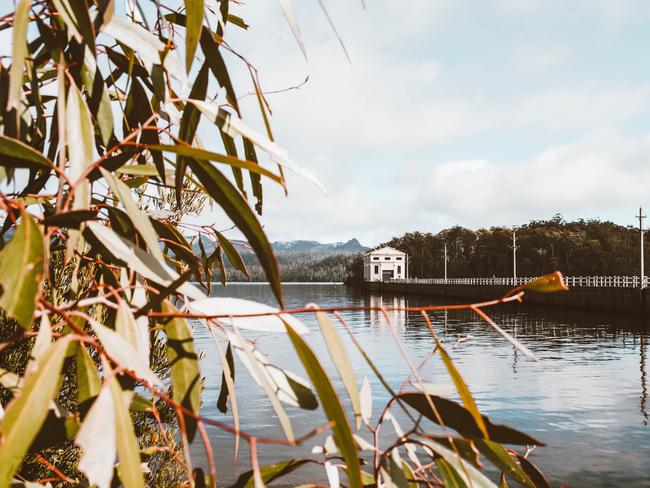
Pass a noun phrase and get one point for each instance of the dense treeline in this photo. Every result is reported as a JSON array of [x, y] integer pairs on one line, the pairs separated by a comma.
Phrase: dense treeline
[[582, 247], [298, 266]]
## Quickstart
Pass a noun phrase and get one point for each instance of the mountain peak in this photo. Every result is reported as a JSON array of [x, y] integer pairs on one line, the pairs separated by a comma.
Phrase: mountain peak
[[349, 247]]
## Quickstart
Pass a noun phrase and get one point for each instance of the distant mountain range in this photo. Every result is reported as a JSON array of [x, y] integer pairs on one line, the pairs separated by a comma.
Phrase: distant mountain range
[[350, 247], [298, 260], [353, 246]]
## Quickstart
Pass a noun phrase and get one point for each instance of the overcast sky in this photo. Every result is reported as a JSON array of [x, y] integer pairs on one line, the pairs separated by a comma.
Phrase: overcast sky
[[454, 112]]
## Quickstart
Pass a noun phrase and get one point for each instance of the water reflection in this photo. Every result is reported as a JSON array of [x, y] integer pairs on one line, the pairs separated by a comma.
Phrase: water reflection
[[393, 306], [588, 398], [644, 380]]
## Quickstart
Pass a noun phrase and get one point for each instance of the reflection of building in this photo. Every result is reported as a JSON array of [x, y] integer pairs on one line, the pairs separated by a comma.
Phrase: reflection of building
[[396, 317], [385, 264]]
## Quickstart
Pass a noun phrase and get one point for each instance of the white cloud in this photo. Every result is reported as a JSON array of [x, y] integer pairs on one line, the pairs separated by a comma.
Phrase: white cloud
[[523, 139], [595, 176], [540, 58]]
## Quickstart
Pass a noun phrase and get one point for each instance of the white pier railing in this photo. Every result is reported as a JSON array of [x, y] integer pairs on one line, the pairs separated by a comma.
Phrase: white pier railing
[[592, 281]]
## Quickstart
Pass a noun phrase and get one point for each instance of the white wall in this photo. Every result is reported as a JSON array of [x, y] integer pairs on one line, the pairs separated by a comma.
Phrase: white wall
[[385, 262]]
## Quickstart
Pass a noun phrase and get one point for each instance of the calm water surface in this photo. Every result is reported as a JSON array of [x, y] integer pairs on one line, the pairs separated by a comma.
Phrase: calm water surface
[[587, 398]]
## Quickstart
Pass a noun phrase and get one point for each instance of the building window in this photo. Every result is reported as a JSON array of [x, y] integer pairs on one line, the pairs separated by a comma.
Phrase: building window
[[376, 269], [399, 269], [387, 259], [399, 259], [375, 258]]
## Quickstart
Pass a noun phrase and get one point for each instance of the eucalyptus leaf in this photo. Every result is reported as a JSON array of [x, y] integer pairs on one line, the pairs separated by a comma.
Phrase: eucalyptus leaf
[[184, 364], [21, 271], [128, 449], [261, 317], [332, 407], [342, 361], [19, 53], [17, 154], [27, 412], [96, 439], [138, 217], [457, 417]]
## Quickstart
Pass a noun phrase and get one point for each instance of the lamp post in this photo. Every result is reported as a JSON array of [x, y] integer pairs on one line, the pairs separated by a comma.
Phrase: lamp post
[[514, 257], [641, 233], [446, 257]]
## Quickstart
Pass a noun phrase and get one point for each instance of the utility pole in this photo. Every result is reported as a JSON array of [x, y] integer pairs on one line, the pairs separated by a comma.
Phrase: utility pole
[[641, 233], [446, 259], [514, 257]]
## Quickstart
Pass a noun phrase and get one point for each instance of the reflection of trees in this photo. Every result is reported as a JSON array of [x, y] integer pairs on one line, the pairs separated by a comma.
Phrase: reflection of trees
[[644, 380]]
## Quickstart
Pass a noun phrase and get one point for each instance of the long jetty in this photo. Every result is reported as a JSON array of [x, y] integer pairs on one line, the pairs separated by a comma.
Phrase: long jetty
[[628, 294]]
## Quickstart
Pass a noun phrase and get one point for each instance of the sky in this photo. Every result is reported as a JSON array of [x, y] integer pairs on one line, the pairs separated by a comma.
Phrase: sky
[[452, 112]]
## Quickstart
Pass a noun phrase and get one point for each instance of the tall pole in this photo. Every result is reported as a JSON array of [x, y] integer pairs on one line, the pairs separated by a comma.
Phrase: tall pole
[[641, 232], [514, 257], [446, 259]]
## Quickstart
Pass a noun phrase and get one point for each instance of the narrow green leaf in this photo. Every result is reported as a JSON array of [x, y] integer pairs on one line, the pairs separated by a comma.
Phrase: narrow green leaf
[[123, 352], [70, 220], [449, 475], [533, 472], [465, 473], [128, 450], [227, 377], [19, 53], [138, 260], [238, 21], [99, 102], [184, 364], [27, 412], [138, 170], [342, 362], [365, 398], [193, 23], [457, 417], [210, 48], [76, 16], [498, 456], [256, 365], [135, 331], [228, 386], [138, 217], [88, 382], [392, 473], [232, 254], [270, 473], [290, 15], [228, 197], [332, 406], [205, 155], [20, 155], [187, 129], [462, 389], [43, 338], [96, 439], [80, 140], [145, 43], [21, 271]]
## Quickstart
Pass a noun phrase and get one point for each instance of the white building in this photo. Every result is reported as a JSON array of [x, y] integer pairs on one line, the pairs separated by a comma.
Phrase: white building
[[385, 264]]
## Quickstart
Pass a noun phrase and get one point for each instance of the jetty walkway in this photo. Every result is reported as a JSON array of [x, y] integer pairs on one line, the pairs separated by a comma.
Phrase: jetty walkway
[[627, 294]]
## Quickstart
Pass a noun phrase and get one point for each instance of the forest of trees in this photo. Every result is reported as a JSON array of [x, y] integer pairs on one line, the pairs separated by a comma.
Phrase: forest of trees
[[298, 266], [582, 247]]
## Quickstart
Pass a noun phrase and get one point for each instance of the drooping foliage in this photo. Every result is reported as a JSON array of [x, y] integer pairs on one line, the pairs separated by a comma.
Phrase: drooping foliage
[[100, 163]]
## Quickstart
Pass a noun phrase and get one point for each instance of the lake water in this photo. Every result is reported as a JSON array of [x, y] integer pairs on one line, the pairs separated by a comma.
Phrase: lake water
[[587, 398]]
